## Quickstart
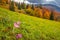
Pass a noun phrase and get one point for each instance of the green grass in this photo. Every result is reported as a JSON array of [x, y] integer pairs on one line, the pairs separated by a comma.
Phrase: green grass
[[31, 28]]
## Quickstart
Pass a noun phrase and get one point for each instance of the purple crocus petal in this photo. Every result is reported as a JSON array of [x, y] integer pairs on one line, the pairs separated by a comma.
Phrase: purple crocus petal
[[19, 36], [16, 25]]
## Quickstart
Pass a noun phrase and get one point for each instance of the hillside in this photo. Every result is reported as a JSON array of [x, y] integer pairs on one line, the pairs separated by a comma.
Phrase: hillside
[[30, 28], [41, 11]]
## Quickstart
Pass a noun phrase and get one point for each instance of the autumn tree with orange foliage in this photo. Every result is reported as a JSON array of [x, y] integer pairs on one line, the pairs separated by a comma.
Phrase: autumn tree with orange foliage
[[4, 1], [0, 1]]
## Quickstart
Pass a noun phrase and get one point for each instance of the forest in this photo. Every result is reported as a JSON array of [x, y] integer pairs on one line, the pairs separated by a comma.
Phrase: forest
[[30, 9]]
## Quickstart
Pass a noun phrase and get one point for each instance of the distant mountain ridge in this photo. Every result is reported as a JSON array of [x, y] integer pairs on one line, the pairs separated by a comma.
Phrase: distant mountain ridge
[[51, 6]]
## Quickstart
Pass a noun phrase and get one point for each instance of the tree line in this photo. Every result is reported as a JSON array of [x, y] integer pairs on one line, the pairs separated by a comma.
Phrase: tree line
[[31, 9]]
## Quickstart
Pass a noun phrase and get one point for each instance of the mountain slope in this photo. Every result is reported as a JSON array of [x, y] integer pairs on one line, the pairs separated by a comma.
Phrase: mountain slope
[[31, 28], [51, 6]]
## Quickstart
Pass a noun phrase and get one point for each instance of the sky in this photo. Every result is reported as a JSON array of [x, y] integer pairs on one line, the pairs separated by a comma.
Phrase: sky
[[55, 2]]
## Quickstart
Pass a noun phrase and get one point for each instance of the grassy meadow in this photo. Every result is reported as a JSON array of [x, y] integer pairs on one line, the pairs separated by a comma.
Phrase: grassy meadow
[[30, 28]]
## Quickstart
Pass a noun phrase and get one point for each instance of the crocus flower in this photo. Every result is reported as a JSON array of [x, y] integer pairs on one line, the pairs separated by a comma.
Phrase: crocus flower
[[19, 36], [17, 24]]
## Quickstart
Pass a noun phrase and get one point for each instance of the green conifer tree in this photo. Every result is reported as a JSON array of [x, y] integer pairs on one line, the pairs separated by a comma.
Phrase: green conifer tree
[[52, 16], [19, 6], [12, 6]]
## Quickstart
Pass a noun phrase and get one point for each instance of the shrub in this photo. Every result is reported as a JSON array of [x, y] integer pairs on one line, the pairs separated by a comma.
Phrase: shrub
[[30, 12]]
